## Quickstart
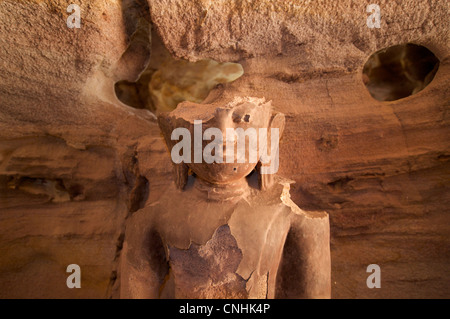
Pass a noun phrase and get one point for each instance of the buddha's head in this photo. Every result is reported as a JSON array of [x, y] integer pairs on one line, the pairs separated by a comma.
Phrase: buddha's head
[[220, 143]]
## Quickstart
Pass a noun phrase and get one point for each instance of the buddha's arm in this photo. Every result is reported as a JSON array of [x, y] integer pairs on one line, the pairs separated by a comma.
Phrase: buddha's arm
[[143, 266], [305, 269]]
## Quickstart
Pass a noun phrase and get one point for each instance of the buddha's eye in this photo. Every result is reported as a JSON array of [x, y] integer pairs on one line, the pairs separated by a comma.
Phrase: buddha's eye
[[238, 118]]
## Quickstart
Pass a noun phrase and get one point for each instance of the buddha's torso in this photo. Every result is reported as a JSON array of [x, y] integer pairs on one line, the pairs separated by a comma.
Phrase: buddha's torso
[[219, 249]]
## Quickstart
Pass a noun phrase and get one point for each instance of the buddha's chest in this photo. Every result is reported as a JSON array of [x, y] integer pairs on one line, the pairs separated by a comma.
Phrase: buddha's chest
[[211, 270]]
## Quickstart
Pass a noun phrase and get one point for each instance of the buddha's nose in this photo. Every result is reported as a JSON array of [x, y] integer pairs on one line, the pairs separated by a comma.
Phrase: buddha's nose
[[223, 118], [224, 121]]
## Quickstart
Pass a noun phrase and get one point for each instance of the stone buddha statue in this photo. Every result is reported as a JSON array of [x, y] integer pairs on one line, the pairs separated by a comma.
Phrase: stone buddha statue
[[226, 227]]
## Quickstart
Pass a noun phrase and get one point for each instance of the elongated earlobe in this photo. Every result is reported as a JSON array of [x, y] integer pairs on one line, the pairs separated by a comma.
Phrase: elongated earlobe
[[180, 172], [278, 121], [265, 181]]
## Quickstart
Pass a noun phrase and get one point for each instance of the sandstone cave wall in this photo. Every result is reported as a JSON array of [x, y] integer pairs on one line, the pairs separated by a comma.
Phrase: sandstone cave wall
[[75, 162]]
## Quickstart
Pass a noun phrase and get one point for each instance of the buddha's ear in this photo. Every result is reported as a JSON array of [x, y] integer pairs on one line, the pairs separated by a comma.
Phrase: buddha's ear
[[266, 181], [278, 120], [181, 170], [165, 124]]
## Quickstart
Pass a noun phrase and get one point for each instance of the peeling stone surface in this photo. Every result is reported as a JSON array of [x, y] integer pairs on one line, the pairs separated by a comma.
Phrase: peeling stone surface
[[209, 271], [75, 162]]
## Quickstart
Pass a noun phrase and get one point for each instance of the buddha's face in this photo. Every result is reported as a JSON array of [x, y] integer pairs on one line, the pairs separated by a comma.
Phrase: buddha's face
[[235, 165], [228, 165]]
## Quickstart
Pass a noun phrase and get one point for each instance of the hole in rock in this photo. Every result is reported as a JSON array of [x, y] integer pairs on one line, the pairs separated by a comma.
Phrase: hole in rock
[[399, 71], [168, 81]]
